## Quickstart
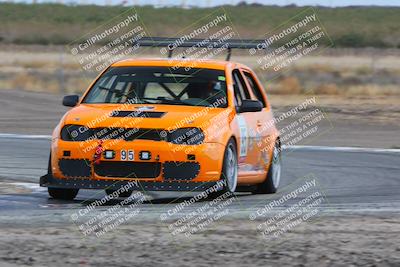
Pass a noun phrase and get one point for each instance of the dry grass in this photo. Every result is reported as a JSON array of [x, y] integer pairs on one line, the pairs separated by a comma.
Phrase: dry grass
[[29, 82], [291, 86], [51, 84], [286, 85], [372, 90], [327, 89], [38, 69]]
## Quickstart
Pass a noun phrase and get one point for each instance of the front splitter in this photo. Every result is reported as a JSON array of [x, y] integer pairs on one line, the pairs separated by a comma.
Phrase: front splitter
[[81, 183]]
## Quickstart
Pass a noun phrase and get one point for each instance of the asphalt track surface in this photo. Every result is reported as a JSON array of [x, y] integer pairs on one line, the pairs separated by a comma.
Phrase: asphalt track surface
[[351, 180]]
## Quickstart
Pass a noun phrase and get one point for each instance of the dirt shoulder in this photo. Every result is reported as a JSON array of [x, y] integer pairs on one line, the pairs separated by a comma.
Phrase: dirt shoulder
[[328, 241], [351, 121]]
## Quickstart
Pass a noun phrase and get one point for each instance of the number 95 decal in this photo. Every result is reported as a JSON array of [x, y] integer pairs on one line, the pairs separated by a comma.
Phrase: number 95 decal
[[127, 155]]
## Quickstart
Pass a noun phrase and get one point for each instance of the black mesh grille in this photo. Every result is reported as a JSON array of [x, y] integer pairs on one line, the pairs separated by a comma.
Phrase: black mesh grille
[[75, 167], [126, 169], [177, 170]]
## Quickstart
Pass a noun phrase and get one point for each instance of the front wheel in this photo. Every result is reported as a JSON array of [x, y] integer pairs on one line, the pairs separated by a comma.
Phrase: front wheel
[[230, 168], [62, 193], [270, 185]]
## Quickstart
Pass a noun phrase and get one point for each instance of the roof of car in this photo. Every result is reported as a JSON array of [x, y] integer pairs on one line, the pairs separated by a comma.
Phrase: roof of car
[[170, 62]]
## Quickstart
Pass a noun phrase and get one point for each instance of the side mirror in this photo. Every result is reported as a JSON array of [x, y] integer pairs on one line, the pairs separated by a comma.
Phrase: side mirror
[[250, 106], [70, 100]]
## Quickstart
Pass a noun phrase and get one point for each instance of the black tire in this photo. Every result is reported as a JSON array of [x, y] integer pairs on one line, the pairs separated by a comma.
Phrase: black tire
[[271, 184], [224, 174], [49, 171], [122, 194], [230, 168], [62, 193]]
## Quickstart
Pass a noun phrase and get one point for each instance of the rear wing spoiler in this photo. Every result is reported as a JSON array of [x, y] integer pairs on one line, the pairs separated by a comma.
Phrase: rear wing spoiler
[[172, 43]]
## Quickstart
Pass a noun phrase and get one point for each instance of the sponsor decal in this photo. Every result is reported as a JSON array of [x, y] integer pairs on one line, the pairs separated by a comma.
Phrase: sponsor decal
[[243, 135]]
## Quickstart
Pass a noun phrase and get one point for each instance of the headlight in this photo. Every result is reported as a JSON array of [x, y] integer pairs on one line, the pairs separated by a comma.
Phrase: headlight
[[186, 136], [71, 132]]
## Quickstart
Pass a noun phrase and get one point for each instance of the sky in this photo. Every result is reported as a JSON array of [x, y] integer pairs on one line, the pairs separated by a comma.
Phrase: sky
[[208, 3]]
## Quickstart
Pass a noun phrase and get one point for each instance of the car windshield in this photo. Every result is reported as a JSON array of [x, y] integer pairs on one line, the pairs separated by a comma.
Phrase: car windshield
[[160, 85]]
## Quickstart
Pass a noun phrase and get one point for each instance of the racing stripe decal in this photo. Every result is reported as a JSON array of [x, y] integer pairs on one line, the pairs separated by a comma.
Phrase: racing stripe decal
[[243, 135]]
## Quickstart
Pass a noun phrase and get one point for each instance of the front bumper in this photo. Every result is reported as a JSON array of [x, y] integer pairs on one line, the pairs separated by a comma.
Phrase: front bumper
[[49, 181], [72, 161]]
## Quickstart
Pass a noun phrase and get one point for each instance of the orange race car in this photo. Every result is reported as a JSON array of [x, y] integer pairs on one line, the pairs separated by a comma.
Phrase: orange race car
[[166, 124]]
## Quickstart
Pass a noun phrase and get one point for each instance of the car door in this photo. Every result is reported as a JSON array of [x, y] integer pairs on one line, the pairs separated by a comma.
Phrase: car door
[[246, 123], [264, 127]]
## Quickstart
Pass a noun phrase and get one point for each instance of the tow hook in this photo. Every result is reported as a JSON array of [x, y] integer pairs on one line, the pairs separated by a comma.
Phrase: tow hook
[[98, 152]]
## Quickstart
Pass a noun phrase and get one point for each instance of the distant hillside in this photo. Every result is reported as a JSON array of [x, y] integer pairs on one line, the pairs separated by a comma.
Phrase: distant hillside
[[59, 24]]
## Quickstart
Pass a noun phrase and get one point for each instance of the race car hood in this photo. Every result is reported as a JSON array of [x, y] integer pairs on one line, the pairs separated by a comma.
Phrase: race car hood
[[144, 116]]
